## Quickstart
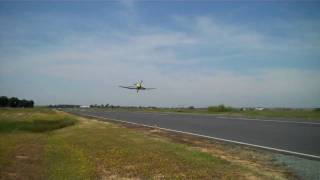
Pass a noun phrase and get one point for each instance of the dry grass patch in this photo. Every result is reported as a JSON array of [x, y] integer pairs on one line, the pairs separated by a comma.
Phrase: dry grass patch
[[25, 158], [90, 149], [259, 161]]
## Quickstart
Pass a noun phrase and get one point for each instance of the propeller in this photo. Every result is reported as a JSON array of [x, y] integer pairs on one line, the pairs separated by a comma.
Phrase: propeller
[[138, 83]]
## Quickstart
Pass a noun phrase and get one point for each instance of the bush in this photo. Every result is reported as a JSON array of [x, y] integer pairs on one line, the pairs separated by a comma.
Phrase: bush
[[48, 125], [4, 101], [316, 109], [35, 125], [15, 102], [220, 108]]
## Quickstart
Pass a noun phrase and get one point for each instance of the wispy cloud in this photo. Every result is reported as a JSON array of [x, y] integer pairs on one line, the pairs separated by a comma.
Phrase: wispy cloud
[[200, 61]]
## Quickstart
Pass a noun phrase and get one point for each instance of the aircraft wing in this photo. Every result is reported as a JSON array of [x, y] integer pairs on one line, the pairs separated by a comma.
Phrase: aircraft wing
[[149, 88], [128, 87]]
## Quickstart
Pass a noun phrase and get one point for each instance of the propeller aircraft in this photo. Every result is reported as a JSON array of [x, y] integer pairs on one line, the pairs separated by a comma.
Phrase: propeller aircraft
[[137, 86]]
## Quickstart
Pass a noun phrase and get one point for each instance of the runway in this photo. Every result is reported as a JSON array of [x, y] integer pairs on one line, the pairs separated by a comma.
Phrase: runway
[[294, 137]]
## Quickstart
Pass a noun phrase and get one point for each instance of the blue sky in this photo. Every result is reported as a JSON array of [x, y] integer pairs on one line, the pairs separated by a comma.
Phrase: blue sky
[[195, 53]]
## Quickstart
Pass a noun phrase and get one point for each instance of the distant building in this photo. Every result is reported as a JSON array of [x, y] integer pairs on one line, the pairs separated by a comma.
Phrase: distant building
[[84, 106], [259, 108]]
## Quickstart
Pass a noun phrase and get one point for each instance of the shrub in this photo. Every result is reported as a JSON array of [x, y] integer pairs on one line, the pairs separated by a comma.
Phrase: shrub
[[219, 108], [316, 109], [15, 102], [35, 125]]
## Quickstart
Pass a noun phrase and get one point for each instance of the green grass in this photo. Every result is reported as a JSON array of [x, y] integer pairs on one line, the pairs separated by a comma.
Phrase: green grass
[[65, 161], [27, 120], [35, 125], [126, 153], [69, 147]]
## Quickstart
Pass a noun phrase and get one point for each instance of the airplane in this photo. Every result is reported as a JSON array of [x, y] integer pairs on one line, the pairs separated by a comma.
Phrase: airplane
[[137, 86]]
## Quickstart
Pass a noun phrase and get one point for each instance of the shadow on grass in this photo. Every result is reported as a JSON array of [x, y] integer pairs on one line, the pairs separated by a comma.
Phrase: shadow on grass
[[7, 126]]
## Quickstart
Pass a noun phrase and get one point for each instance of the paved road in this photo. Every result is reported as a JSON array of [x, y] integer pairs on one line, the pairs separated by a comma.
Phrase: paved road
[[296, 136]]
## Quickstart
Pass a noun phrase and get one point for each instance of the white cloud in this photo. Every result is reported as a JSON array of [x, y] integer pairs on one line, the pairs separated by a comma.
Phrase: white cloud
[[97, 64], [268, 87]]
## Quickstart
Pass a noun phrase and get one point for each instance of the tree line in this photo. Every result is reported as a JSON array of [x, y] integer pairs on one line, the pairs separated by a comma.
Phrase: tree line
[[15, 102]]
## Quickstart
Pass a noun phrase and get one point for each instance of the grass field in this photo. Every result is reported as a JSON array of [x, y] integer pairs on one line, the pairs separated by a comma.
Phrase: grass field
[[45, 144]]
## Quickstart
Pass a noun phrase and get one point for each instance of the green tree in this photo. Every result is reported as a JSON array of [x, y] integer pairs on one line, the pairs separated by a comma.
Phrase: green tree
[[220, 108], [13, 102], [23, 103], [4, 101], [30, 103]]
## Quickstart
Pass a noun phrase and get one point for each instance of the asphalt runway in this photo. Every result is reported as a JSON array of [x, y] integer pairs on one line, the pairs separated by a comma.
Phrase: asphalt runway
[[294, 137]]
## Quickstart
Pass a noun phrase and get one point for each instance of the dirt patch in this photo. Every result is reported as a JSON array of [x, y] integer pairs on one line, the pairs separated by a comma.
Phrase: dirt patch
[[26, 161], [105, 174]]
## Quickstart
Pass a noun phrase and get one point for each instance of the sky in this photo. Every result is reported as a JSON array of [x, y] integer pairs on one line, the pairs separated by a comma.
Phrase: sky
[[195, 53]]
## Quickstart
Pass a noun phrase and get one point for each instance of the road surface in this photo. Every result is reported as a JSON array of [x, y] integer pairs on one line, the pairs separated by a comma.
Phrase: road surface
[[293, 137]]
